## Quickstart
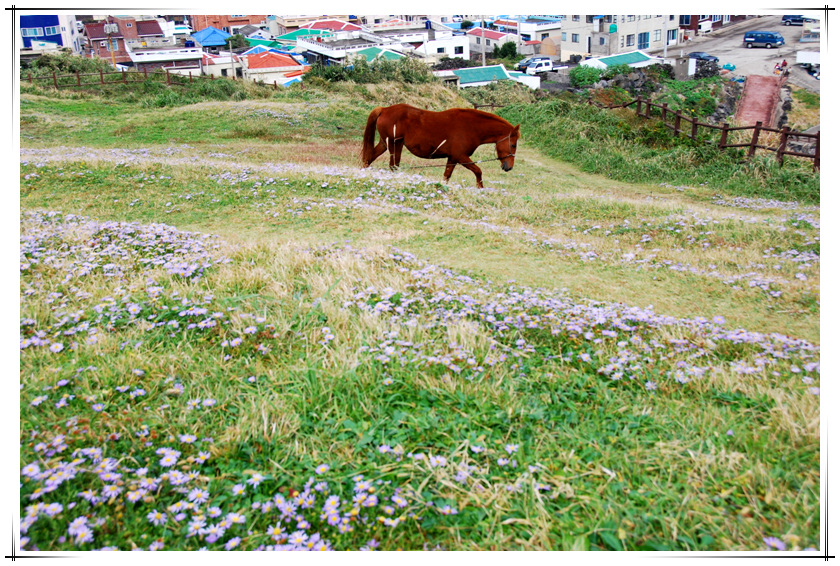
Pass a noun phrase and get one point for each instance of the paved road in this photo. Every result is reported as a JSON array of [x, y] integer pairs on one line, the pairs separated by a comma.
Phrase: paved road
[[727, 44]]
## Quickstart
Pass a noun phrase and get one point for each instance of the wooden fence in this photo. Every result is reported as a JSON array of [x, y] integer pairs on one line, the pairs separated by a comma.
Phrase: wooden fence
[[690, 126], [121, 77]]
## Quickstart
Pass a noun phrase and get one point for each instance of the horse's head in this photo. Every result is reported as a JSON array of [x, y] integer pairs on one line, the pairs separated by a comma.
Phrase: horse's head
[[506, 149]]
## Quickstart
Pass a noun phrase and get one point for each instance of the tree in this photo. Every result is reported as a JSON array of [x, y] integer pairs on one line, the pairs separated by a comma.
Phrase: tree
[[466, 24], [237, 41], [508, 50]]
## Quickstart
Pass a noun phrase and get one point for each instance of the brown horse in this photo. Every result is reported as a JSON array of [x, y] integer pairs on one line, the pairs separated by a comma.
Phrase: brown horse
[[454, 134]]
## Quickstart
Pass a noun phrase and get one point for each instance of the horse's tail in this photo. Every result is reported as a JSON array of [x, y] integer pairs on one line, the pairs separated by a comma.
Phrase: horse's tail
[[369, 136]]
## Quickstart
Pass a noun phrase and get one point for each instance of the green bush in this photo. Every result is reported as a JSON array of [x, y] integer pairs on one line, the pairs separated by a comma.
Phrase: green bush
[[405, 70], [615, 70], [582, 76]]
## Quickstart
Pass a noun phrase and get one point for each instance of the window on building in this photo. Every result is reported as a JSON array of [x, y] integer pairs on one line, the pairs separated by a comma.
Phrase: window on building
[[670, 18], [644, 40], [631, 18], [575, 18], [672, 35], [115, 46], [562, 36], [52, 30], [543, 36], [704, 18], [685, 21], [478, 40], [575, 38], [459, 50], [631, 40], [486, 42], [602, 41], [32, 32], [657, 35]]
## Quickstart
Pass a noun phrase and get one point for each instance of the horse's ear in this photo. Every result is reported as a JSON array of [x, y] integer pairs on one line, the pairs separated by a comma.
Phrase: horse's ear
[[516, 129]]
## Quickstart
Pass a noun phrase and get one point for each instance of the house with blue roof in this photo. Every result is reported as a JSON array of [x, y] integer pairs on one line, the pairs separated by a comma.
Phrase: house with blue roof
[[210, 39]]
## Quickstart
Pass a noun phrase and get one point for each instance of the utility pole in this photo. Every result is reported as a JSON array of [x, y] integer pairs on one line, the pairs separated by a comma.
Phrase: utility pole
[[665, 35], [111, 28], [482, 42]]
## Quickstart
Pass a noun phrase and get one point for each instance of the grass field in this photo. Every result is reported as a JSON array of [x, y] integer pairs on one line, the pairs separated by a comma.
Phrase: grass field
[[234, 338]]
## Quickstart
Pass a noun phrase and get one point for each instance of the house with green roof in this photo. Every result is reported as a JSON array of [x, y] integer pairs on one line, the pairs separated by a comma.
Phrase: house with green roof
[[632, 59], [373, 53], [478, 76]]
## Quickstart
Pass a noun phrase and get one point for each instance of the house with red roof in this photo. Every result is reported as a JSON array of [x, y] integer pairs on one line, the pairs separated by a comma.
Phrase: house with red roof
[[332, 25], [483, 39], [271, 67]]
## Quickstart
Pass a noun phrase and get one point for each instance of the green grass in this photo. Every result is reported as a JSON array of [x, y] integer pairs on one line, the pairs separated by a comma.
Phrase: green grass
[[603, 461]]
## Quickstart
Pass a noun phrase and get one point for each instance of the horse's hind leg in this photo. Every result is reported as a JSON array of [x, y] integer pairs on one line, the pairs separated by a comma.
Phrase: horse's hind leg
[[397, 154]]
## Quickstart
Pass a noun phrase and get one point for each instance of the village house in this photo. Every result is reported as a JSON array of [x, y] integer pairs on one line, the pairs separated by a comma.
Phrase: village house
[[112, 46], [485, 40], [272, 67], [50, 32], [225, 23]]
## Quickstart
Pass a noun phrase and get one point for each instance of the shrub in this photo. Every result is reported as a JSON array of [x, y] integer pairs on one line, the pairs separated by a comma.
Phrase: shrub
[[582, 76], [615, 70], [406, 70]]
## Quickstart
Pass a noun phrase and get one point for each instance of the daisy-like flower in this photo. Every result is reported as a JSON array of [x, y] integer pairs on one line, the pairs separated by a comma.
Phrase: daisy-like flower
[[188, 438], [56, 347], [511, 448], [232, 543], [276, 532], [298, 537], [323, 468], [255, 480], [156, 518], [774, 543], [238, 489], [38, 400]]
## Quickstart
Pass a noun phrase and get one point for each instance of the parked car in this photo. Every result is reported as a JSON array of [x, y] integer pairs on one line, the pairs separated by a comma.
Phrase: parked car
[[522, 65], [793, 20], [766, 38], [543, 67], [703, 56]]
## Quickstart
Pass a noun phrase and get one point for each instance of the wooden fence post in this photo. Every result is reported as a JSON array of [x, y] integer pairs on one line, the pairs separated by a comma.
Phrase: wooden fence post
[[754, 141], [647, 109], [677, 124], [664, 111], [694, 127], [780, 153], [275, 85], [723, 135], [168, 78], [101, 77], [145, 73], [123, 74], [55, 81], [78, 79], [817, 153], [639, 105], [190, 77]]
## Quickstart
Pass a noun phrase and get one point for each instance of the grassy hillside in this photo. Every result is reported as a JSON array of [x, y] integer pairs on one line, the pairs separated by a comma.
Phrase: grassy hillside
[[233, 337]]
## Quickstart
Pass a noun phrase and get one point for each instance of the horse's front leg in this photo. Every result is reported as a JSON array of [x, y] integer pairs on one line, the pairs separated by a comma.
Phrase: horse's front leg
[[450, 166], [474, 168]]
